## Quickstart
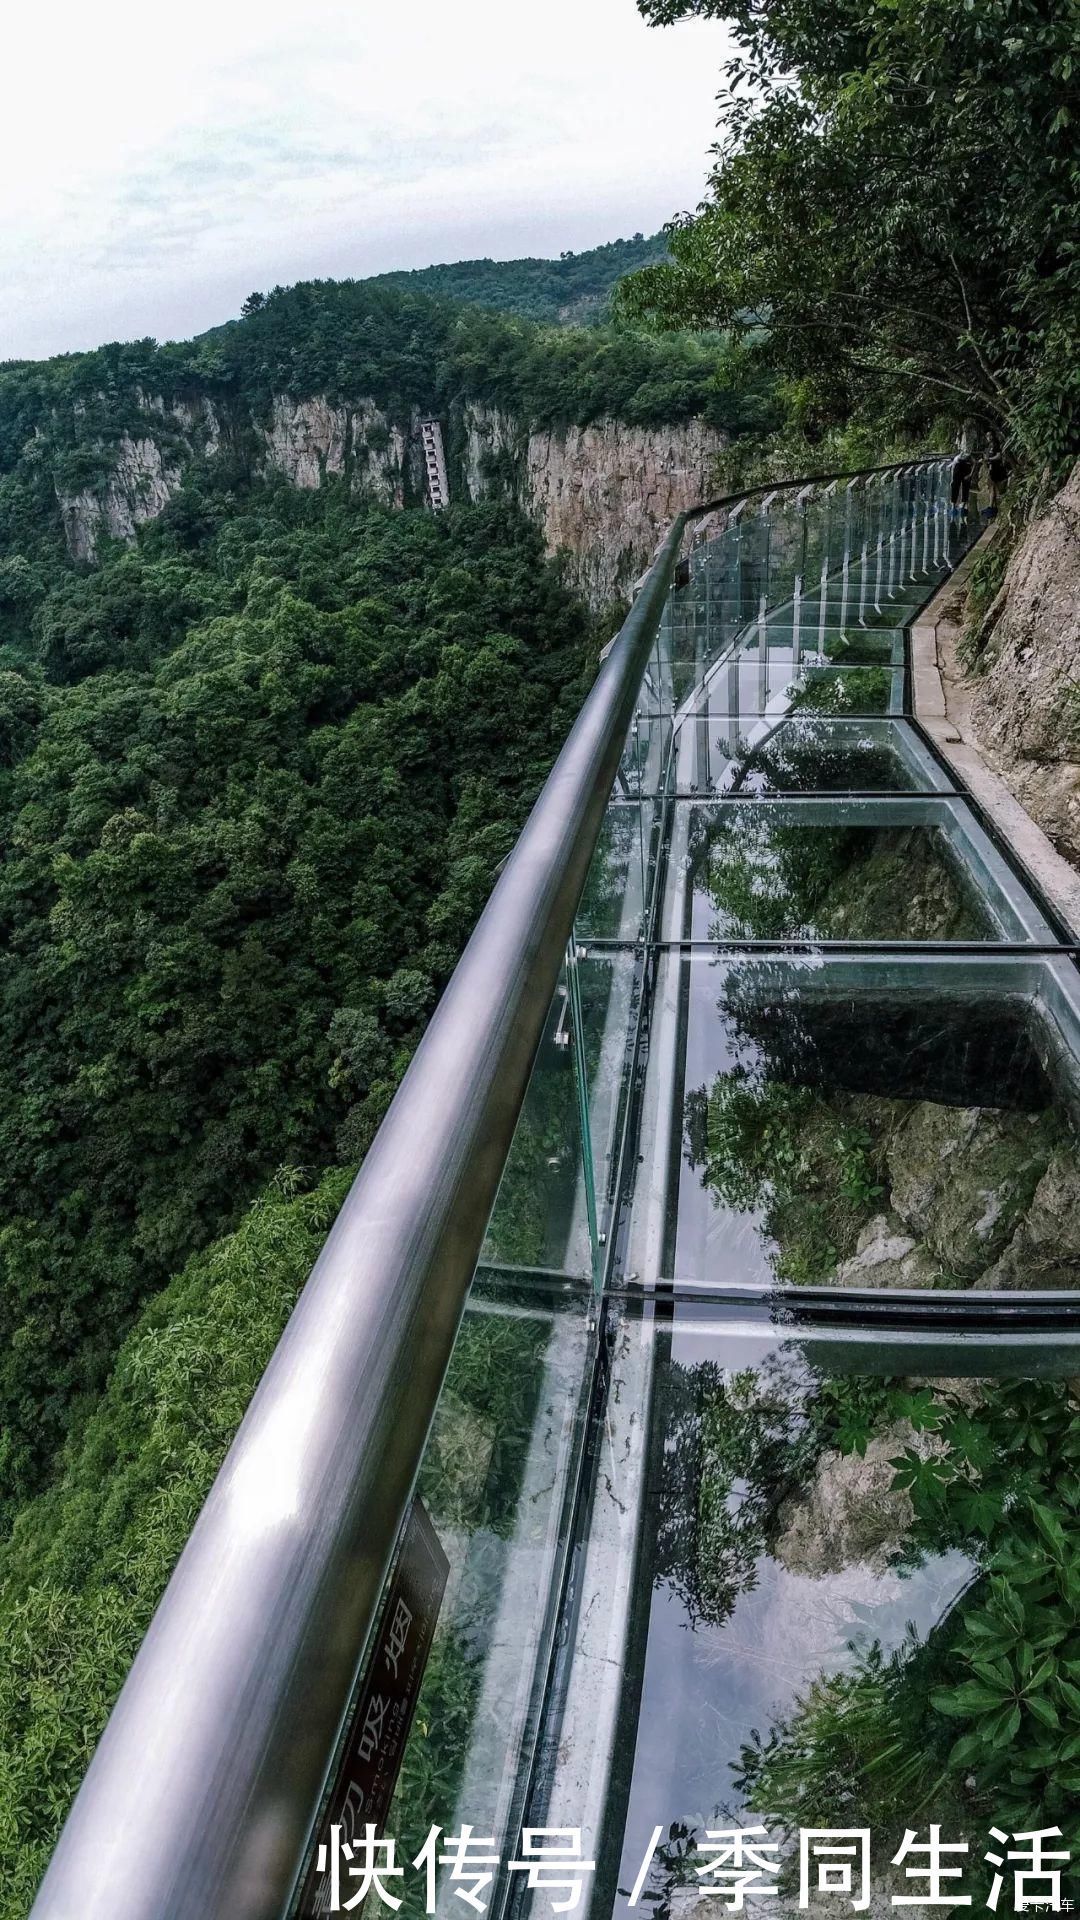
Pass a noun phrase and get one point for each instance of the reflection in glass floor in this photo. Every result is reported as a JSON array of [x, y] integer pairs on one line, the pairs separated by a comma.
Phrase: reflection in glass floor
[[773, 683], [880, 1124], [833, 1543], [908, 869], [849, 644], [718, 754]]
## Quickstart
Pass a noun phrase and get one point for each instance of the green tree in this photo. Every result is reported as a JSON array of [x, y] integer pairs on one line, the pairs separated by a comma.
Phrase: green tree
[[894, 207]]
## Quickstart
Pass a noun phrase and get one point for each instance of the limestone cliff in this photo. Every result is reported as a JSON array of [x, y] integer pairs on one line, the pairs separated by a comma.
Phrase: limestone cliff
[[140, 484], [308, 441], [602, 494], [1025, 687]]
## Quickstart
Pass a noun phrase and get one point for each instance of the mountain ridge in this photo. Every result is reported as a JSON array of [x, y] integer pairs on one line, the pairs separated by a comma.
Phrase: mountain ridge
[[572, 289]]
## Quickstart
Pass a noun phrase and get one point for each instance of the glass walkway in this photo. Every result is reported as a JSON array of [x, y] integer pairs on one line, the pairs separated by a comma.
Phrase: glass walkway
[[824, 1065], [745, 1515]]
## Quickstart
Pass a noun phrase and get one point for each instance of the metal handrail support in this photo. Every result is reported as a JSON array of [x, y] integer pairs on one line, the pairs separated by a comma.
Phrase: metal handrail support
[[199, 1801]]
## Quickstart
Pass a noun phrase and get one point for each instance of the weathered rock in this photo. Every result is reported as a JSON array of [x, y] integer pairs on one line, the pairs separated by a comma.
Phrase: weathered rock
[[603, 494], [141, 483], [907, 887], [1025, 707], [196, 419], [961, 1178], [1045, 1249], [310, 441], [851, 1514], [306, 439], [887, 1256], [1051, 795], [489, 437]]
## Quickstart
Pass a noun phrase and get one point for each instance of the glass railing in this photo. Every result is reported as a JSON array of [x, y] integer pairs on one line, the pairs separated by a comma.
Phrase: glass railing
[[761, 1025]]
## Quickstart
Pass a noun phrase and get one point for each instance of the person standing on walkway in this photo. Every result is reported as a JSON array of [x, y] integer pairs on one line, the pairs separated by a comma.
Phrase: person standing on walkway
[[997, 472], [963, 467]]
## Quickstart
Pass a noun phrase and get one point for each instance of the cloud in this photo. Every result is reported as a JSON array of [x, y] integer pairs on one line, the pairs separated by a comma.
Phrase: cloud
[[184, 203], [178, 171]]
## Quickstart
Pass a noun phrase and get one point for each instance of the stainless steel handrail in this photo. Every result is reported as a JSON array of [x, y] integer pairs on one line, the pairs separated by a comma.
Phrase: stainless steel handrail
[[199, 1800]]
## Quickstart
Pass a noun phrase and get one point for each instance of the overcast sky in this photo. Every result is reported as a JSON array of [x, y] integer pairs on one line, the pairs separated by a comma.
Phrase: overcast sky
[[158, 163]]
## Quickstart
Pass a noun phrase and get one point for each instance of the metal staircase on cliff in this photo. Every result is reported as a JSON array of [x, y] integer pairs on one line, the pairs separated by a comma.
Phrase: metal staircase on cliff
[[435, 465]]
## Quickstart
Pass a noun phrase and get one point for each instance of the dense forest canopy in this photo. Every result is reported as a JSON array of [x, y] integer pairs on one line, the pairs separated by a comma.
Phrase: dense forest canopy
[[574, 289], [896, 199], [405, 348], [252, 800]]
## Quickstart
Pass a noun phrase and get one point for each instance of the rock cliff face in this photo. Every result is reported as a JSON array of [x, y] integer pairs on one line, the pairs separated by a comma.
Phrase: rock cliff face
[[139, 486], [606, 493], [1025, 707], [851, 1513], [602, 494], [974, 1197], [144, 470], [308, 441]]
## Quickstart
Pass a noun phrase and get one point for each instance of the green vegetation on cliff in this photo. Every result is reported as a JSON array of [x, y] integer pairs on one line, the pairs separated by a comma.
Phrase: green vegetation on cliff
[[917, 1539], [976, 1723]]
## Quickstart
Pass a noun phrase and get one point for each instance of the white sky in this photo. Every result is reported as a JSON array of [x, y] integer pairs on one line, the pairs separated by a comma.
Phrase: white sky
[[157, 163]]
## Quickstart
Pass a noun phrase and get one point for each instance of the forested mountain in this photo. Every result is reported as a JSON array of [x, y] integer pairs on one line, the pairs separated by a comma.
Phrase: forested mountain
[[384, 356], [403, 348], [573, 290], [412, 349]]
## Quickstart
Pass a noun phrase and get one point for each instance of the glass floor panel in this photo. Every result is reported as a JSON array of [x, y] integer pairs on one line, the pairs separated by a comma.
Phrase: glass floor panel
[[846, 690], [725, 755], [753, 685], [918, 869], [847, 1580], [860, 1123], [846, 644]]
